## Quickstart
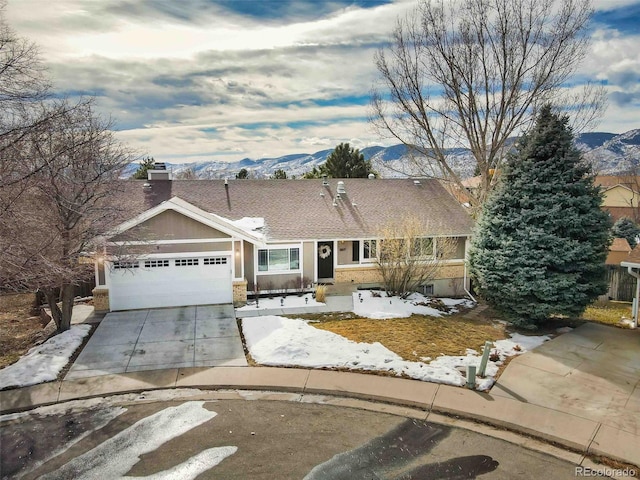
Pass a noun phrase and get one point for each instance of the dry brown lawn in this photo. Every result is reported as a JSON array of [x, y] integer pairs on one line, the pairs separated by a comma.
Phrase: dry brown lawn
[[18, 329], [417, 336], [609, 312]]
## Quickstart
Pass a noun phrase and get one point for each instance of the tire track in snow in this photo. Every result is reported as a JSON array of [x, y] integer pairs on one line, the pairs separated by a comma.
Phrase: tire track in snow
[[115, 457]]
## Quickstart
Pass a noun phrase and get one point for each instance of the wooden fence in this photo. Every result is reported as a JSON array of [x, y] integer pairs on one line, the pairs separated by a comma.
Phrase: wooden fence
[[621, 285]]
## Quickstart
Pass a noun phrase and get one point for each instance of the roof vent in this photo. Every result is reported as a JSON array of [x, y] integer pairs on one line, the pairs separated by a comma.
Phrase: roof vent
[[341, 189], [325, 183], [371, 176], [417, 183], [146, 187]]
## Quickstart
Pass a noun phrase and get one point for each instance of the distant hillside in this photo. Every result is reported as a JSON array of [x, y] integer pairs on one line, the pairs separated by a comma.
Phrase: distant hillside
[[616, 154], [609, 153]]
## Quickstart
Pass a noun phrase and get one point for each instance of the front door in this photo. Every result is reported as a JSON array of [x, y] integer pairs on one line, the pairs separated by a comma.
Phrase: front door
[[325, 261]]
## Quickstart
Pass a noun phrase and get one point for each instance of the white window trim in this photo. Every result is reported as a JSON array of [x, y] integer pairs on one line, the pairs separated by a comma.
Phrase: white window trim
[[369, 260], [429, 256], [279, 247], [354, 266]]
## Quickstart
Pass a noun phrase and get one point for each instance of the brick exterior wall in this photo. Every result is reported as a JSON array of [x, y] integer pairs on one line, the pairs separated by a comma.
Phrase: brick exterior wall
[[448, 282], [239, 293], [101, 299], [371, 274], [451, 271], [358, 275]]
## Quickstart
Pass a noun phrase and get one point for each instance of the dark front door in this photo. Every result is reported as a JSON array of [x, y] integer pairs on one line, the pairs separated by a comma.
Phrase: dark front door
[[325, 260]]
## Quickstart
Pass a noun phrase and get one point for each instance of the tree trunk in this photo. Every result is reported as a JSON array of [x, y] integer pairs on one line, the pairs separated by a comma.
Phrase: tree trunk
[[62, 316], [52, 299], [67, 293]]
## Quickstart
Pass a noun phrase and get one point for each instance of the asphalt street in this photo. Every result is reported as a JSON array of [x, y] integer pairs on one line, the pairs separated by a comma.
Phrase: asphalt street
[[259, 439]]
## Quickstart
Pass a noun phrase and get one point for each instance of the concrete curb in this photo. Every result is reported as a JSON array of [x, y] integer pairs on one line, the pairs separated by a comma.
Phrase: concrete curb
[[578, 434]]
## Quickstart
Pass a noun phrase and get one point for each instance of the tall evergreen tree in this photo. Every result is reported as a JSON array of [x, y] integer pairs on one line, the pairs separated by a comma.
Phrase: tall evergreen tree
[[626, 228], [279, 174], [315, 172], [345, 162], [542, 239], [146, 164]]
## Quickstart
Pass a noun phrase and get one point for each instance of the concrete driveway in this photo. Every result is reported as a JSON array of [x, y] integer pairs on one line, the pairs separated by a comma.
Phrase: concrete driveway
[[197, 336], [592, 372]]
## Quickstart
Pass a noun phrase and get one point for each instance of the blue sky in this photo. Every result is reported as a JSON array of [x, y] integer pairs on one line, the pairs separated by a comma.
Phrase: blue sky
[[228, 79]]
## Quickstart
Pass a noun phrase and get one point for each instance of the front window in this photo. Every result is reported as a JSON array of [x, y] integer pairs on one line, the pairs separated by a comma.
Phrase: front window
[[422, 247], [370, 249], [278, 259]]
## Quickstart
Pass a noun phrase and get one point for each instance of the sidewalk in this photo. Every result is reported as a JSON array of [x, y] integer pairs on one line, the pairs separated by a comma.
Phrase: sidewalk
[[580, 391], [582, 435]]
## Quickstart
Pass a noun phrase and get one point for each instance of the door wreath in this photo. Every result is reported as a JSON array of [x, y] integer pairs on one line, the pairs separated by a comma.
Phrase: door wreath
[[324, 251]]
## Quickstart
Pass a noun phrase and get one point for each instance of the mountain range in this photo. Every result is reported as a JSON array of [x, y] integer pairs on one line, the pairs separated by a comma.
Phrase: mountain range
[[608, 153]]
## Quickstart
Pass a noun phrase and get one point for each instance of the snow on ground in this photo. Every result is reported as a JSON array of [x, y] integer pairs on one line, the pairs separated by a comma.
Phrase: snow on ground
[[43, 363], [290, 301], [279, 341], [376, 305]]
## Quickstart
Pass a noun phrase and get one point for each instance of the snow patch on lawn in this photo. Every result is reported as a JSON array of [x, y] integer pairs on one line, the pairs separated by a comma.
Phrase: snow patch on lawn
[[43, 363], [290, 301], [376, 305], [279, 341]]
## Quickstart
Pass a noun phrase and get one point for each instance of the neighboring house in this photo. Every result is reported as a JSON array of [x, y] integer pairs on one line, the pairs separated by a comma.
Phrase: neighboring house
[[190, 242], [618, 251], [621, 197]]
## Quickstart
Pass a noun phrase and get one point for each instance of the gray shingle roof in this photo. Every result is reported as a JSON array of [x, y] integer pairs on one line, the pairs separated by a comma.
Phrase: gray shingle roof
[[296, 210]]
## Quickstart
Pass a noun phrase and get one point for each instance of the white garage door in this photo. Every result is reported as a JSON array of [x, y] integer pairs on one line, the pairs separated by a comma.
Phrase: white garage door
[[171, 282]]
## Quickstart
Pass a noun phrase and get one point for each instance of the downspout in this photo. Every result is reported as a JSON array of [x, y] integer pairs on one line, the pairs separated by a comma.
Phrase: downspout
[[631, 272], [464, 283], [464, 279]]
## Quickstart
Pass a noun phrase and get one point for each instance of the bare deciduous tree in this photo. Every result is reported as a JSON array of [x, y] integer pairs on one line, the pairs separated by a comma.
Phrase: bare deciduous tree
[[186, 174], [24, 111], [472, 73], [406, 259], [52, 216]]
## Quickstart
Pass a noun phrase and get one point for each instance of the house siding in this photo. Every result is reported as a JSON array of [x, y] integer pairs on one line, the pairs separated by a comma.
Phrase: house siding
[[237, 249], [170, 248], [620, 197], [248, 266], [278, 282], [308, 260], [345, 253], [170, 225]]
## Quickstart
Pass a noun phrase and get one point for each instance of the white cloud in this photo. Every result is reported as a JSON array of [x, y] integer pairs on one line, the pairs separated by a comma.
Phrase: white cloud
[[198, 80]]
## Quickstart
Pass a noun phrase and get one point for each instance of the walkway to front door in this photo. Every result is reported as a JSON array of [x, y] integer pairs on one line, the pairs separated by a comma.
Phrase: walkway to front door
[[197, 336]]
